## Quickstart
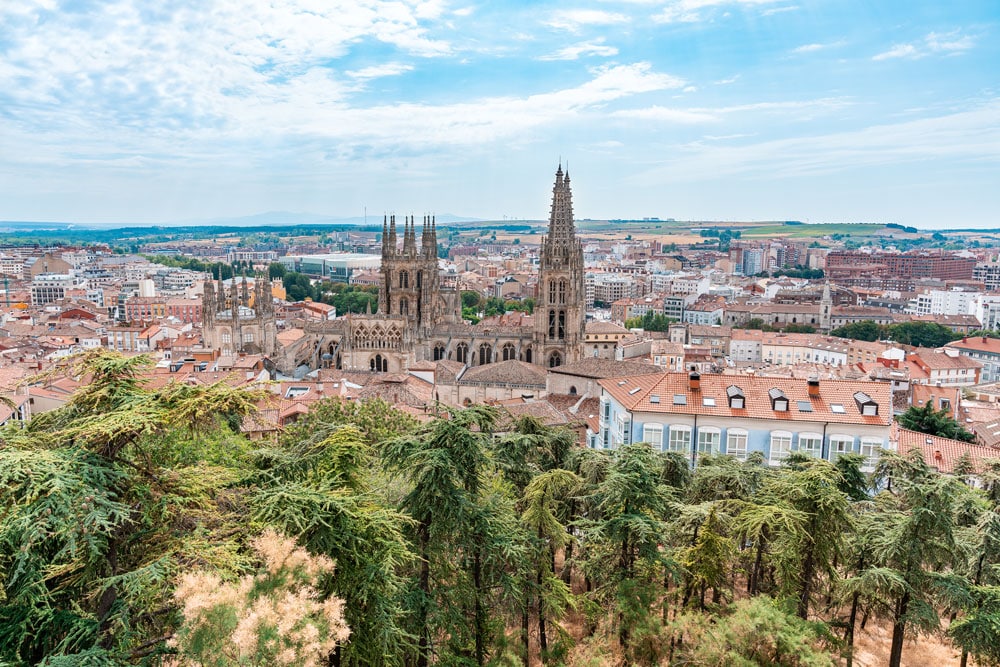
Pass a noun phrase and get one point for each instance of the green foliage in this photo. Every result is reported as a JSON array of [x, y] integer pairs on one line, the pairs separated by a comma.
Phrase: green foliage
[[866, 330], [757, 632], [650, 321], [927, 419], [276, 270]]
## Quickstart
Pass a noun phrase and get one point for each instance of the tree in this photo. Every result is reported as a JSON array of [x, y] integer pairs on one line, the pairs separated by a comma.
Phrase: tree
[[276, 270], [100, 503], [633, 503], [926, 419], [864, 330], [922, 334], [462, 522], [913, 545], [276, 617]]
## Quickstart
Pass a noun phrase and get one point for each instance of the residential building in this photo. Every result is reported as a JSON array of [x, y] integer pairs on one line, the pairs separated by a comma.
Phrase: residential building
[[984, 350], [696, 415]]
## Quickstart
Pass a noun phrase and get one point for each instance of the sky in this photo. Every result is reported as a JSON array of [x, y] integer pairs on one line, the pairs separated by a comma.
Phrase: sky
[[158, 111]]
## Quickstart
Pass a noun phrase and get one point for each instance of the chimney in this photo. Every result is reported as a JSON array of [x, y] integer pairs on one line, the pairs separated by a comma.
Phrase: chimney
[[984, 339], [694, 381], [813, 386], [937, 455]]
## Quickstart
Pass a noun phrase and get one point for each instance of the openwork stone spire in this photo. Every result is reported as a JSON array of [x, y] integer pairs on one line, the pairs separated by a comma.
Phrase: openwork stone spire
[[561, 225]]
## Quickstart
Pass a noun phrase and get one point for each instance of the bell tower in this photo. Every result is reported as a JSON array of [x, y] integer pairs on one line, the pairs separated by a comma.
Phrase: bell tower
[[560, 315]]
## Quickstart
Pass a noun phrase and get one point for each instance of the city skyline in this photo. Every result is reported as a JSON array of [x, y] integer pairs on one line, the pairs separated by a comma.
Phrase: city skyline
[[691, 109]]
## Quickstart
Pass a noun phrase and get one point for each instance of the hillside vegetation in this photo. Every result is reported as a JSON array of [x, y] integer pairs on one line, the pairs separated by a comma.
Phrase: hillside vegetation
[[137, 526]]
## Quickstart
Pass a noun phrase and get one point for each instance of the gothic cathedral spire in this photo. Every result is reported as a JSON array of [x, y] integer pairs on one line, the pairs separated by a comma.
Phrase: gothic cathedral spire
[[560, 314]]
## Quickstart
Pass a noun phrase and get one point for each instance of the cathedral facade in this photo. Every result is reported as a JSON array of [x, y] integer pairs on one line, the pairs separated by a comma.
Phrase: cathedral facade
[[419, 317]]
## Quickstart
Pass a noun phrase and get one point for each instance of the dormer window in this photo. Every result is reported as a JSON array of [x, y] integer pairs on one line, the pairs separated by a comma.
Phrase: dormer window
[[737, 399], [779, 402], [866, 406]]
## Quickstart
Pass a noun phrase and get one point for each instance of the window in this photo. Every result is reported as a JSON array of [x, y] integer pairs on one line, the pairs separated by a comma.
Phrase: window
[[869, 449], [226, 338], [607, 409], [837, 408], [708, 441], [736, 397], [653, 434], [680, 439], [736, 443], [781, 445], [248, 338], [622, 425], [811, 444], [840, 444], [708, 402], [779, 402]]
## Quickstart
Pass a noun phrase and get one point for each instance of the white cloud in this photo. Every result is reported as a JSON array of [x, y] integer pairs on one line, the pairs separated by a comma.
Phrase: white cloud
[[802, 109], [667, 115], [595, 47], [377, 71], [691, 11], [812, 48], [972, 136], [727, 81], [898, 51], [949, 43], [573, 20]]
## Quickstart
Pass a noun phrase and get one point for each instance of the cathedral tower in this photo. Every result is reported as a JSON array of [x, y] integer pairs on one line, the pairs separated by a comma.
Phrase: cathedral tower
[[560, 316], [410, 281]]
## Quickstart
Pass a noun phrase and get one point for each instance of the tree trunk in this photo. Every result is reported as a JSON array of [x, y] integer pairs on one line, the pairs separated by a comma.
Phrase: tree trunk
[[808, 565], [753, 586], [543, 639], [526, 656], [480, 611], [849, 633], [423, 642], [108, 598], [898, 629]]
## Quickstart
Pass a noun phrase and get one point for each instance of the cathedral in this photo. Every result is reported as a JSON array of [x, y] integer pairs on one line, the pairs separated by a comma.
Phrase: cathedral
[[419, 317]]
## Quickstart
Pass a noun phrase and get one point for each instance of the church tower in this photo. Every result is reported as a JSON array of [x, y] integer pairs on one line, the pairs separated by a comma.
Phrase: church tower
[[410, 282], [560, 316]]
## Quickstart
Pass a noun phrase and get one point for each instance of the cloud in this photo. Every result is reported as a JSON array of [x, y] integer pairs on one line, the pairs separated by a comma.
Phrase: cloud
[[573, 20], [972, 136], [813, 48], [692, 11], [595, 47], [948, 43], [661, 114], [377, 71], [898, 51], [727, 81], [805, 109]]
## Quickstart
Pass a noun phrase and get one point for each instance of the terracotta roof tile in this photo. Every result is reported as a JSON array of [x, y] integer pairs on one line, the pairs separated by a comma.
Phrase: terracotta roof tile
[[637, 394]]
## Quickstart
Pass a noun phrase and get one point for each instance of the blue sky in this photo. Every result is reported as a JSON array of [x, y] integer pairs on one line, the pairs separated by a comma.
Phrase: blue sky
[[848, 110]]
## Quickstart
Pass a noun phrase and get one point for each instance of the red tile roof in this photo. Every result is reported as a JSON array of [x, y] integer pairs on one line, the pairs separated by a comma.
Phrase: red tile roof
[[635, 393], [943, 453]]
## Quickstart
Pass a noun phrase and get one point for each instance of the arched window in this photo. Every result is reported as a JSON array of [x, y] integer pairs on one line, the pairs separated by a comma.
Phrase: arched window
[[404, 279], [379, 364], [562, 292], [485, 354], [527, 354], [509, 352], [404, 306], [462, 353], [552, 324], [572, 390], [562, 325], [552, 291], [438, 352], [555, 359]]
